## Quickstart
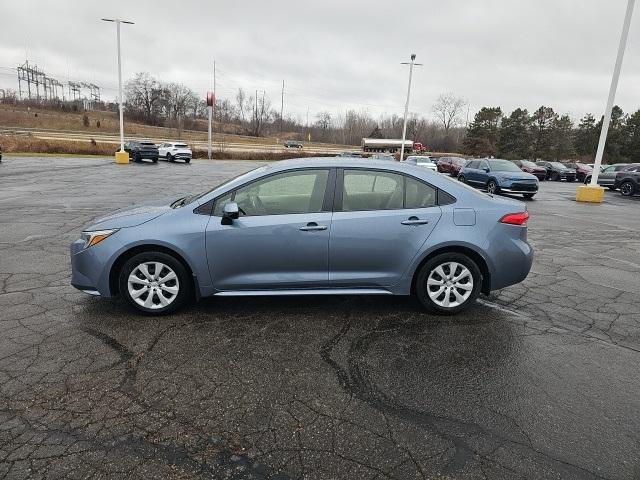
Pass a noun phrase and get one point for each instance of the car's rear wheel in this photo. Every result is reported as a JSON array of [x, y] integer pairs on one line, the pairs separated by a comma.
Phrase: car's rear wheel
[[492, 187], [627, 189], [154, 283], [448, 283]]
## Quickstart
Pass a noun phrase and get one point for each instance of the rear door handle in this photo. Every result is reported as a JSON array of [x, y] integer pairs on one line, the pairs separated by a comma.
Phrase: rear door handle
[[313, 226], [414, 221]]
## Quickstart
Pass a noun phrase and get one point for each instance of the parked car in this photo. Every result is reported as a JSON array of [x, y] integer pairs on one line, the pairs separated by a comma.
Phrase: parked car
[[607, 177], [527, 166], [499, 176], [582, 170], [313, 226], [423, 161], [292, 144], [172, 151], [349, 154], [628, 181], [138, 150], [451, 165], [557, 171]]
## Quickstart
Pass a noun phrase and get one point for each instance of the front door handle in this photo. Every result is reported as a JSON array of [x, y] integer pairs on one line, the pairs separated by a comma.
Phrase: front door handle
[[414, 221], [313, 226]]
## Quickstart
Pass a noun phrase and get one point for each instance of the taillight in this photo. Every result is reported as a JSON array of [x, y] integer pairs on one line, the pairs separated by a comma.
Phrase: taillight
[[515, 218]]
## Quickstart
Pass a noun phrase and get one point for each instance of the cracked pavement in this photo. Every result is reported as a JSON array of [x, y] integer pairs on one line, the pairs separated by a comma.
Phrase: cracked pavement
[[539, 380]]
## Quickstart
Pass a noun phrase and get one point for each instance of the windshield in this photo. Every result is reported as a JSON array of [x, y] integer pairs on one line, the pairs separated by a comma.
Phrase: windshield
[[503, 166], [557, 165], [528, 164]]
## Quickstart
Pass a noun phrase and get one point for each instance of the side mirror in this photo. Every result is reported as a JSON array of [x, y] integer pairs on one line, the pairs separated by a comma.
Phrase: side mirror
[[230, 213], [486, 169]]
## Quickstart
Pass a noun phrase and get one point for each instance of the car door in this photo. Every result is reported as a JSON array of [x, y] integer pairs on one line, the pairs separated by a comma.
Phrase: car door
[[162, 149], [280, 240], [381, 220]]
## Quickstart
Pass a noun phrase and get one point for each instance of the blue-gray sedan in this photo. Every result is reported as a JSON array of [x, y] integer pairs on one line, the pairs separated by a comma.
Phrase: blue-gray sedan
[[321, 226]]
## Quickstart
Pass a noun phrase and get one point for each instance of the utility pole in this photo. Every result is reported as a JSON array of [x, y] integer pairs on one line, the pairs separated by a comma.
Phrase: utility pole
[[281, 105], [121, 157], [612, 93], [406, 105], [214, 89]]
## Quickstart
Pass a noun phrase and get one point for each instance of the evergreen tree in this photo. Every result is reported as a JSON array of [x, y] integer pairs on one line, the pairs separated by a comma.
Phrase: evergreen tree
[[615, 140], [631, 136], [515, 135], [542, 122], [562, 138], [483, 133], [586, 137]]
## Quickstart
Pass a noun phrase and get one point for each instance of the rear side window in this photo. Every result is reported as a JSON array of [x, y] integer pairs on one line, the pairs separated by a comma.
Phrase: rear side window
[[418, 194], [372, 190]]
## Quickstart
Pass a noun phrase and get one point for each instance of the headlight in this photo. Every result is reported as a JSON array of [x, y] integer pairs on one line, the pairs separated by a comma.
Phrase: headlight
[[93, 238]]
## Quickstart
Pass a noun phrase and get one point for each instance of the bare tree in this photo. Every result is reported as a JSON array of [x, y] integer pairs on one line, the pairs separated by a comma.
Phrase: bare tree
[[448, 109]]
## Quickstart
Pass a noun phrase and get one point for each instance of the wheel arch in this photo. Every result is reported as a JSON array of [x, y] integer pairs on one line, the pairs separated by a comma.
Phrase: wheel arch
[[117, 265], [465, 250]]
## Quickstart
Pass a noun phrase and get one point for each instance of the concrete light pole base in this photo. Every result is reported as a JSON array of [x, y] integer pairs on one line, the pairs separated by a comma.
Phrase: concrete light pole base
[[122, 157], [590, 193]]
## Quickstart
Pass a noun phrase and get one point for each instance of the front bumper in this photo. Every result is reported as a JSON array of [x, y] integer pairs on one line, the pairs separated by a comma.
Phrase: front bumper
[[519, 187], [90, 267]]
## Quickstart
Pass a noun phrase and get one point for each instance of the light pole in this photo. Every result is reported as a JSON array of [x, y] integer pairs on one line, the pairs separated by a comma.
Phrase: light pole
[[406, 105], [593, 192], [121, 156]]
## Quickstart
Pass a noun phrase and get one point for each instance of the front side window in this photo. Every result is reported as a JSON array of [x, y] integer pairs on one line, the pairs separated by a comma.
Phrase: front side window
[[372, 190], [300, 191]]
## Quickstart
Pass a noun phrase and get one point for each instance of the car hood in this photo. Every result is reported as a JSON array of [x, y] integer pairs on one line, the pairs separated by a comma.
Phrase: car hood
[[132, 216], [514, 176]]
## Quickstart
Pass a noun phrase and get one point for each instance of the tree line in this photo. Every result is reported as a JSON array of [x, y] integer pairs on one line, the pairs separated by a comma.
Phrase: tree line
[[546, 135], [154, 102]]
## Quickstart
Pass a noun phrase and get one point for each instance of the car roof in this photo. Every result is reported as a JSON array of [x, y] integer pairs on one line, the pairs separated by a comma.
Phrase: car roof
[[331, 162]]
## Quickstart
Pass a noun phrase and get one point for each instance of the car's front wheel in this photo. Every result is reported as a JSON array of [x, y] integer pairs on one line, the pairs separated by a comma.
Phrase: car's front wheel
[[528, 195], [155, 283], [462, 179], [169, 157], [448, 283], [492, 187], [627, 189]]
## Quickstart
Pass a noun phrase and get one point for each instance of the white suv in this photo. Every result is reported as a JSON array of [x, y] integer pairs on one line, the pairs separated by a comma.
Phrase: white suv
[[172, 151]]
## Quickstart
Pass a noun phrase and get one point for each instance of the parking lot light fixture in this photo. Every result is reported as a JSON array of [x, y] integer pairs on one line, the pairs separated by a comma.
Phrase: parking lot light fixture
[[593, 192], [121, 156], [406, 105]]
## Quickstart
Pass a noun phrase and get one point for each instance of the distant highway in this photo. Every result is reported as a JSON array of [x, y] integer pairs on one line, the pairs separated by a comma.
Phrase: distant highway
[[247, 146]]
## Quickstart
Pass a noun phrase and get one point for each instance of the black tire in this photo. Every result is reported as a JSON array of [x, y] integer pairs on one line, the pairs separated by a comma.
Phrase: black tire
[[430, 266], [169, 157], [462, 179], [154, 160], [492, 187], [627, 189], [187, 160], [184, 284], [137, 158], [587, 180], [555, 177], [528, 195]]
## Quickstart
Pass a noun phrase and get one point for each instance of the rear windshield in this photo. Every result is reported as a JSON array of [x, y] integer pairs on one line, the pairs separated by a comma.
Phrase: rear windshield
[[148, 144], [181, 145]]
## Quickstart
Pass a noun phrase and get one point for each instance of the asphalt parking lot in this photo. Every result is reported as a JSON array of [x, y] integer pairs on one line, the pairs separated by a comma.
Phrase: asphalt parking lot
[[540, 380]]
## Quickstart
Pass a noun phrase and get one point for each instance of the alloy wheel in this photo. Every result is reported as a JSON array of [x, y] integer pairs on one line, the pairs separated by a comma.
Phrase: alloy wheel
[[449, 284], [153, 285], [626, 189], [492, 187]]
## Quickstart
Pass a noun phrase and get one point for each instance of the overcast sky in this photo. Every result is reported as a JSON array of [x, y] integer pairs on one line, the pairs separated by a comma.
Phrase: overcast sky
[[340, 54]]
